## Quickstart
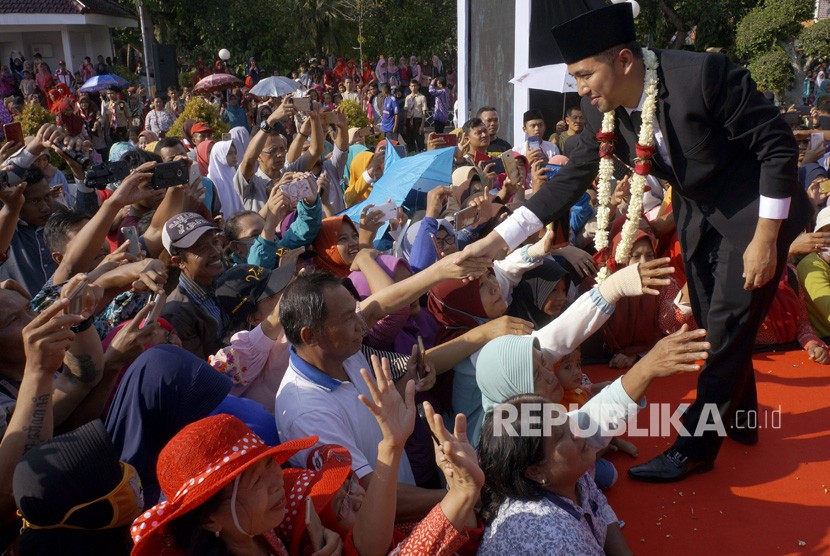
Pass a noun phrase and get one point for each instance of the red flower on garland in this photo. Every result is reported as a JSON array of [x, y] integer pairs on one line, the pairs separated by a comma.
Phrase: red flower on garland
[[642, 164], [606, 144]]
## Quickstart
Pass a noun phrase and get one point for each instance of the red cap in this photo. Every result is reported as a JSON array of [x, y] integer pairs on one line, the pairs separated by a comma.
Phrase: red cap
[[201, 127]]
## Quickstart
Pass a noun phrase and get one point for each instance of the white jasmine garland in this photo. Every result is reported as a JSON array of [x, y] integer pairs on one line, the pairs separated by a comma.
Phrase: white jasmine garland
[[638, 180]]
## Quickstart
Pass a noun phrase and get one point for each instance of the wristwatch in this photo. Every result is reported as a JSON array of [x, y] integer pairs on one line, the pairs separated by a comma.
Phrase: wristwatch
[[263, 125]]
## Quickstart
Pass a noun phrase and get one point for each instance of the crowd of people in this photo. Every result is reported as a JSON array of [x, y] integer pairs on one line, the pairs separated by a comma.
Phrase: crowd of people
[[230, 364]]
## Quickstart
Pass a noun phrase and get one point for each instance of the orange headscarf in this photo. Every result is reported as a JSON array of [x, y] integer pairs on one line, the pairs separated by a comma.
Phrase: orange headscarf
[[359, 188], [325, 245]]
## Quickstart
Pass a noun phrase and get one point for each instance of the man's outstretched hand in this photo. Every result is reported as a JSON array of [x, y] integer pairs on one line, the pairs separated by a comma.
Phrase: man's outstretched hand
[[492, 246]]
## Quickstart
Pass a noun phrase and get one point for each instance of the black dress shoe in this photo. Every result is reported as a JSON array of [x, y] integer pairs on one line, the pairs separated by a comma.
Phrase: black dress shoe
[[668, 467]]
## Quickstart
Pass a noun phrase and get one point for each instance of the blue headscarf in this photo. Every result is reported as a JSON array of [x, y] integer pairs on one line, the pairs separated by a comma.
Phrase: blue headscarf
[[117, 150], [165, 389]]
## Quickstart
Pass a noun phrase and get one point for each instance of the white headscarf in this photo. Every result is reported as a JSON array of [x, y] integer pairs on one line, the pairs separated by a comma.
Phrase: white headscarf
[[241, 138], [222, 177], [438, 64]]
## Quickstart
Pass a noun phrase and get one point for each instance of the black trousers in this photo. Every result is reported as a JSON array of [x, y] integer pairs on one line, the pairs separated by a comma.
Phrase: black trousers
[[731, 316], [414, 137]]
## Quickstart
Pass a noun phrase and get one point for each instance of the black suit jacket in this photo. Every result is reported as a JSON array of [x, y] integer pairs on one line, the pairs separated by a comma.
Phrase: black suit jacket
[[727, 146]]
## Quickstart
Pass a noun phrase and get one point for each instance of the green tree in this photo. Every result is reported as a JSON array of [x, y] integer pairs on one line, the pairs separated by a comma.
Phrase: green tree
[[778, 46]]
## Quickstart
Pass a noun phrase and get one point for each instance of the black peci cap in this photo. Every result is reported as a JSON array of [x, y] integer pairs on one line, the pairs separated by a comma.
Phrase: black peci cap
[[594, 32]]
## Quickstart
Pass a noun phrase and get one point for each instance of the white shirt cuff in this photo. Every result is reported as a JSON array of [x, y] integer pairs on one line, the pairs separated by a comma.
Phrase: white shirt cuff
[[774, 209], [518, 227]]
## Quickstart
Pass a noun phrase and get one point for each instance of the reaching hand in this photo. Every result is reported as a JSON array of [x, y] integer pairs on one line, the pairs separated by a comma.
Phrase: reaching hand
[[370, 220], [151, 277], [818, 354], [47, 338], [677, 353], [395, 416], [12, 197], [427, 380], [579, 260], [655, 274], [455, 456], [805, 243], [505, 326], [458, 266], [132, 339], [137, 187], [436, 199]]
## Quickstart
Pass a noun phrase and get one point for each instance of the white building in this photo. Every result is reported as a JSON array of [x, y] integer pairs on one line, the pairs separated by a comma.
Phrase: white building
[[61, 29]]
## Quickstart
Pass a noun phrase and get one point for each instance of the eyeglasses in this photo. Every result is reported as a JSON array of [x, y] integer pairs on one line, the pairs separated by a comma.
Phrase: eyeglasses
[[445, 240], [346, 502]]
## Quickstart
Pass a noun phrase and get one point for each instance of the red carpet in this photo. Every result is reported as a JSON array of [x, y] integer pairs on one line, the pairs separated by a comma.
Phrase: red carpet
[[768, 499]]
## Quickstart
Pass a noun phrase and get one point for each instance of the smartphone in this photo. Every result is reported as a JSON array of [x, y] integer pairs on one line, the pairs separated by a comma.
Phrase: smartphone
[[9, 179], [168, 174], [302, 104], [450, 140], [420, 359], [465, 218], [389, 209], [76, 300], [159, 299], [330, 118], [816, 140], [130, 233], [227, 137], [552, 169], [510, 167], [298, 190], [478, 158], [435, 244], [109, 172], [14, 132], [824, 186], [313, 525], [422, 414], [533, 144]]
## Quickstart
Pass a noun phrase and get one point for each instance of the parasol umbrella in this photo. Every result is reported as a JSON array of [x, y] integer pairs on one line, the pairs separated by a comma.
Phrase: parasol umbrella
[[98, 83], [216, 82], [274, 86], [406, 181], [554, 77]]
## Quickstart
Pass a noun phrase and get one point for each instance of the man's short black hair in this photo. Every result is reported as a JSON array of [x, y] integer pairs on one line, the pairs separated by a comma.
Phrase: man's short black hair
[[533, 114], [471, 123], [442, 81], [166, 143], [386, 88], [484, 109], [414, 82], [610, 54], [136, 158], [62, 221], [573, 109], [303, 303], [34, 175]]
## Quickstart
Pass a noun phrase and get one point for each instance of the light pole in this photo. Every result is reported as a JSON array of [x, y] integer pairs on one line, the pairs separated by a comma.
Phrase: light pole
[[143, 19]]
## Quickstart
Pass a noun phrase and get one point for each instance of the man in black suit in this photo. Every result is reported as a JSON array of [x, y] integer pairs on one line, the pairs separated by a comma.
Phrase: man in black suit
[[732, 162]]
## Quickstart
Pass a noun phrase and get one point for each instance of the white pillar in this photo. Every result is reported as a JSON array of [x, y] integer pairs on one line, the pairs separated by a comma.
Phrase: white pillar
[[521, 61], [67, 49], [463, 70]]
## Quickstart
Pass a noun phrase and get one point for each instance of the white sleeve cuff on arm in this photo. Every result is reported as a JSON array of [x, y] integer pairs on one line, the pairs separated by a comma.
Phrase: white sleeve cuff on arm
[[518, 227], [774, 209]]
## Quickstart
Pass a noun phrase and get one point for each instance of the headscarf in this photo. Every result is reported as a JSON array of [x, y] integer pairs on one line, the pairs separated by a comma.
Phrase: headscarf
[[203, 155], [325, 245], [354, 150], [117, 150], [782, 316], [456, 306], [359, 187], [533, 290], [240, 137], [187, 126], [504, 368], [822, 91], [71, 121], [165, 389], [633, 328], [222, 177], [438, 65]]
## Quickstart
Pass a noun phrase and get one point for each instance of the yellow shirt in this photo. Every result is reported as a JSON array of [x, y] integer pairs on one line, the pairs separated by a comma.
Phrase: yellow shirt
[[814, 275]]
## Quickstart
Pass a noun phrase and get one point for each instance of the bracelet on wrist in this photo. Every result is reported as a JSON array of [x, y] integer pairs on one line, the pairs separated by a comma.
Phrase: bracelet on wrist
[[83, 325]]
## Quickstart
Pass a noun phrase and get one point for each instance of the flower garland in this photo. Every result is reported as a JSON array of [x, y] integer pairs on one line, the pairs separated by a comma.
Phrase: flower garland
[[644, 150]]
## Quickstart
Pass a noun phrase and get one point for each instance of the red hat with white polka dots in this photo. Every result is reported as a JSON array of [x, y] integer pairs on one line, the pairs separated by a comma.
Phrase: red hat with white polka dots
[[196, 464], [329, 466]]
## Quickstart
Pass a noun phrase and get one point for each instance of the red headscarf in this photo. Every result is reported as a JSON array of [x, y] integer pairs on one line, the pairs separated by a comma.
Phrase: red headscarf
[[325, 245], [457, 307], [68, 119], [203, 155], [633, 328], [782, 316]]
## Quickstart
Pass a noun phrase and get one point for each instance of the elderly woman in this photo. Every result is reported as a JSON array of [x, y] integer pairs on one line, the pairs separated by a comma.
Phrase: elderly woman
[[224, 494], [540, 483]]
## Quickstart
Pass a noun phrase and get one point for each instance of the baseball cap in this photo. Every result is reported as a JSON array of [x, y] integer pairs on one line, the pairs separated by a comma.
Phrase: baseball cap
[[201, 127], [61, 63], [185, 229], [239, 289]]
